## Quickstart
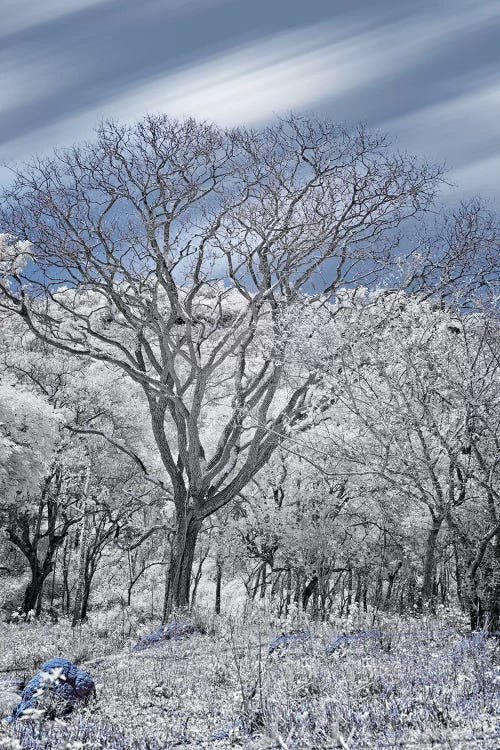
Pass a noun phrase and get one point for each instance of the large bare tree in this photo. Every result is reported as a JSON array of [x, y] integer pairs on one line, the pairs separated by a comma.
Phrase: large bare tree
[[170, 251]]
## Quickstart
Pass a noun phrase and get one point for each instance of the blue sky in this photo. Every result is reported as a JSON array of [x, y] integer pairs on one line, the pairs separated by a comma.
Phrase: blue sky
[[427, 71]]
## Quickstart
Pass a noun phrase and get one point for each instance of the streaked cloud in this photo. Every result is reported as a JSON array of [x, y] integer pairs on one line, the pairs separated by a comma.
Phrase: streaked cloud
[[345, 65], [19, 15], [463, 131]]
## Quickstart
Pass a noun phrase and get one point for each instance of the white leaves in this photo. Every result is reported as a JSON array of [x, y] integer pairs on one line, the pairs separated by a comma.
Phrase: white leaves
[[14, 254], [28, 439]]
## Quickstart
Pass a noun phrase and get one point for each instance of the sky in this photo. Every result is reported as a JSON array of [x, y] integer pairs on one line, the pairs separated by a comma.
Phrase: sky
[[426, 72]]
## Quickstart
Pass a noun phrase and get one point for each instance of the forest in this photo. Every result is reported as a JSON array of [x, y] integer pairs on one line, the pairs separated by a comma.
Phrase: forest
[[250, 389]]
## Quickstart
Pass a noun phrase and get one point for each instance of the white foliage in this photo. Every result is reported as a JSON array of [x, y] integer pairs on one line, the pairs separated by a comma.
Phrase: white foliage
[[14, 254], [29, 432]]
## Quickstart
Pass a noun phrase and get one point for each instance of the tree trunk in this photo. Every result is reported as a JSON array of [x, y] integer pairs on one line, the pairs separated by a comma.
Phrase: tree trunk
[[288, 596], [391, 579], [33, 595], [349, 592], [263, 580], [181, 565], [52, 588], [429, 562], [218, 586], [85, 597], [494, 597], [309, 589], [197, 579], [82, 563], [33, 590], [357, 595]]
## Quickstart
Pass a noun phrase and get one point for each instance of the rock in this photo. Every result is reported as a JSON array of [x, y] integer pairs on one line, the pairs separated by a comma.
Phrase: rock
[[56, 689], [232, 731], [173, 631], [8, 700], [10, 694], [290, 639], [345, 639]]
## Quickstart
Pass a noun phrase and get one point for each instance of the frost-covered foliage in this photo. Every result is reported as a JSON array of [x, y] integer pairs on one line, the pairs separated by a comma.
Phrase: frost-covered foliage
[[29, 433], [14, 255]]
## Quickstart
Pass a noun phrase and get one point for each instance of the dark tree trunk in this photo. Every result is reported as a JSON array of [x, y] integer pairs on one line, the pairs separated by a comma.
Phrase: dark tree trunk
[[87, 586], [33, 594], [181, 565], [494, 589], [196, 581], [476, 613], [349, 592], [309, 589], [288, 596], [357, 595], [458, 575], [256, 583], [85, 601], [365, 595], [218, 586], [263, 580], [390, 584], [429, 561]]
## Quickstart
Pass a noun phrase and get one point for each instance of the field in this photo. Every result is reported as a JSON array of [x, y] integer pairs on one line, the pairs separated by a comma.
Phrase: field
[[416, 683]]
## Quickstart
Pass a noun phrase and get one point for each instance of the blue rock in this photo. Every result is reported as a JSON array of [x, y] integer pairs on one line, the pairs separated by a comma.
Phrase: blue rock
[[344, 639], [173, 631], [224, 733], [73, 686], [288, 639]]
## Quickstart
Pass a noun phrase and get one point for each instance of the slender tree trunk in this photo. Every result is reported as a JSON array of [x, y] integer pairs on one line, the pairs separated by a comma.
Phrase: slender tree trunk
[[458, 575], [255, 584], [357, 595], [430, 558], [390, 585], [181, 565], [349, 592], [52, 588], [77, 611], [85, 596], [218, 586], [66, 596], [288, 596], [494, 598], [263, 580], [309, 589], [197, 579]]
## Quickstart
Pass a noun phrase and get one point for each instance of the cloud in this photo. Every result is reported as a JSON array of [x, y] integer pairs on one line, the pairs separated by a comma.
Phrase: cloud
[[20, 15], [295, 69], [478, 178], [307, 67], [462, 130]]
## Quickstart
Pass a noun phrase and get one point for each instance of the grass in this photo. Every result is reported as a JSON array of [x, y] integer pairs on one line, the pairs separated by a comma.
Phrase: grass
[[420, 684]]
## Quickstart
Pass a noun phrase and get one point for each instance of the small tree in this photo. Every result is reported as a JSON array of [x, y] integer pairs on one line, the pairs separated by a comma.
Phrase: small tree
[[170, 250]]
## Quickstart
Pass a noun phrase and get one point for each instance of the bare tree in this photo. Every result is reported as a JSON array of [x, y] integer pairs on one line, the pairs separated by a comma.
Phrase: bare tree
[[169, 250], [38, 528]]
